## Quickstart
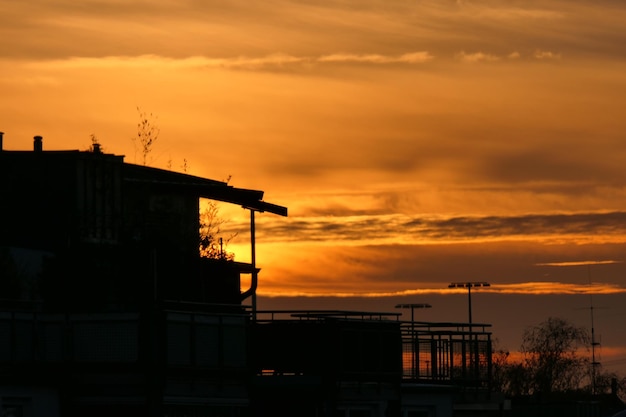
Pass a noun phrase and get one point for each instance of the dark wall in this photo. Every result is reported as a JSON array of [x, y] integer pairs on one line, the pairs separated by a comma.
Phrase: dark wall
[[111, 236], [349, 350]]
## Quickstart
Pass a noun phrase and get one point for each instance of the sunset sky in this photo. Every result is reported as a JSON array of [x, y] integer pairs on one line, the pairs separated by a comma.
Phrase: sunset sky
[[415, 143]]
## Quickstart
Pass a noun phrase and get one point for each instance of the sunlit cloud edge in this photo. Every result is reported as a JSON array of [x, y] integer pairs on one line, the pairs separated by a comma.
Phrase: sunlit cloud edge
[[238, 62], [580, 263], [524, 288], [383, 229], [271, 60]]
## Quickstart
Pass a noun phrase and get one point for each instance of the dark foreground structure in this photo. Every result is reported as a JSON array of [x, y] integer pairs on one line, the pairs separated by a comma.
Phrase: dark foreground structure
[[107, 309]]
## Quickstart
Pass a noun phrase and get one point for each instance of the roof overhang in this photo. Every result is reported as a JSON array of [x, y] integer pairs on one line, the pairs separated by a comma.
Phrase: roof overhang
[[202, 188]]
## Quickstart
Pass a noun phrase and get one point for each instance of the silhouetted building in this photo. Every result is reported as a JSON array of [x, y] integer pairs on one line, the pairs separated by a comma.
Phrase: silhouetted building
[[107, 308]]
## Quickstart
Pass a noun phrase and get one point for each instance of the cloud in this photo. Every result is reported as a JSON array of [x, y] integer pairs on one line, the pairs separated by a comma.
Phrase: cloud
[[579, 263], [578, 227], [408, 58], [485, 57], [271, 61], [522, 288], [505, 13], [535, 288], [396, 256], [476, 57], [546, 55], [58, 28]]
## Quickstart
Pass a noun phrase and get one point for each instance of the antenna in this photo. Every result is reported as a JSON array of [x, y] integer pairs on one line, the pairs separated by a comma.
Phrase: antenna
[[594, 363]]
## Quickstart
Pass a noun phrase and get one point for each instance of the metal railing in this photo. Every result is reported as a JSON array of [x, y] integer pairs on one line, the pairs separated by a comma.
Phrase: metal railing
[[447, 353]]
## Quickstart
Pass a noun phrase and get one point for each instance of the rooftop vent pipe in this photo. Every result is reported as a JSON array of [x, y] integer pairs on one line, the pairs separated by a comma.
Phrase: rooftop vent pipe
[[38, 144]]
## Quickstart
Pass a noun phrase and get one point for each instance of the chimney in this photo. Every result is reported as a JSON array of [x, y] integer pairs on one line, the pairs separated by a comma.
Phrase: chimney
[[1, 134], [38, 145]]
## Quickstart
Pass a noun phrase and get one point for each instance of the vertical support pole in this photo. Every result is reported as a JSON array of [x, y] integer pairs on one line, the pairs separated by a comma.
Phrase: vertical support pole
[[469, 303], [155, 277], [472, 348], [253, 261], [415, 345]]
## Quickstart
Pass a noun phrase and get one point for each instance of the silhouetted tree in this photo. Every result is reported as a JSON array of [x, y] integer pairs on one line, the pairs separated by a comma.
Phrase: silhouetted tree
[[553, 360], [211, 241], [147, 134], [500, 365], [552, 357], [607, 382]]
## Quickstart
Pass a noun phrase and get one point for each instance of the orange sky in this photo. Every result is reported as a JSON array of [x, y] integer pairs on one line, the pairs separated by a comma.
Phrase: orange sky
[[415, 143]]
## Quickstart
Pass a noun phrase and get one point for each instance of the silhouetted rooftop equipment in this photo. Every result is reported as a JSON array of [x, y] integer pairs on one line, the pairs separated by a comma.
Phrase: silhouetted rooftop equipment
[[38, 143]]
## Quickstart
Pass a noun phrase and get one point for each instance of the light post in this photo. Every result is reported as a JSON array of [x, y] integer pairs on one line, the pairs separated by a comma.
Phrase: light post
[[413, 306], [473, 362], [469, 286]]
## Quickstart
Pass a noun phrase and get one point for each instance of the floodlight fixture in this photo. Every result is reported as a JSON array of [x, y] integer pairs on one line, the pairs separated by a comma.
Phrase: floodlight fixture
[[469, 285], [413, 306]]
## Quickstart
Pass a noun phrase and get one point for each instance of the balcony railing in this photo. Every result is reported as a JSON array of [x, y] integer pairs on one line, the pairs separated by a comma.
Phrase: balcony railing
[[447, 353]]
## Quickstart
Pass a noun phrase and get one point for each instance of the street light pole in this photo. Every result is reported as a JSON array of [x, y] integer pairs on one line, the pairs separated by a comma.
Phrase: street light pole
[[469, 286], [473, 362], [413, 339], [469, 304]]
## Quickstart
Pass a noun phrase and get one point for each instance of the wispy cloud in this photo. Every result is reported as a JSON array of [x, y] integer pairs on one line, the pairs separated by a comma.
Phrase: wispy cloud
[[579, 263], [270, 61], [546, 55], [477, 57], [537, 288], [409, 58], [57, 28], [523, 288], [238, 62], [415, 229]]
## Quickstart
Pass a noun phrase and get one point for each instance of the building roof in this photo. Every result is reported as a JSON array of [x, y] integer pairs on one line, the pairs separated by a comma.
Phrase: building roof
[[203, 187], [132, 173]]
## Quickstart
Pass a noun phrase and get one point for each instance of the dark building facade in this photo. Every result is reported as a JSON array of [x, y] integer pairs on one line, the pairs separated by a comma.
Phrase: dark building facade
[[107, 308]]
